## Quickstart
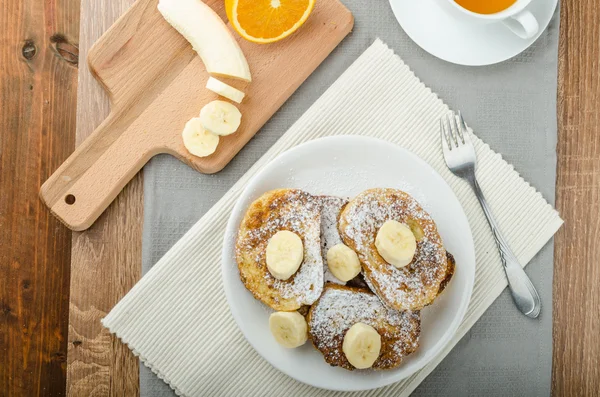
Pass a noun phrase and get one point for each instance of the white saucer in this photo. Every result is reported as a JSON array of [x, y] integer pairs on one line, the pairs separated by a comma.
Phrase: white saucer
[[345, 166], [441, 35]]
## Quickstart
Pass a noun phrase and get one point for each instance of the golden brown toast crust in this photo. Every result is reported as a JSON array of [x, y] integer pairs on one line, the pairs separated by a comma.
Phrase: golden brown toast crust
[[449, 272], [283, 209], [340, 307], [409, 288]]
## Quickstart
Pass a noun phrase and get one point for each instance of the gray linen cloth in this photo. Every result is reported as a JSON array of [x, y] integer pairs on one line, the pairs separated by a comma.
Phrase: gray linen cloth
[[512, 106]]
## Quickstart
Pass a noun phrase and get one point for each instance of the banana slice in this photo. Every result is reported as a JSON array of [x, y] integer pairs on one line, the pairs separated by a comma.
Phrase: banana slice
[[362, 344], [396, 243], [288, 328], [220, 117], [285, 253], [224, 90], [197, 140], [343, 262]]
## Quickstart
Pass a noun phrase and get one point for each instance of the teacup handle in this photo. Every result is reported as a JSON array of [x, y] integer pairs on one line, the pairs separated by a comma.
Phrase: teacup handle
[[523, 24]]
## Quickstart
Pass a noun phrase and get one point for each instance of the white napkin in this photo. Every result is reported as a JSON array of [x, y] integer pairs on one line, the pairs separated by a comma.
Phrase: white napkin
[[176, 318]]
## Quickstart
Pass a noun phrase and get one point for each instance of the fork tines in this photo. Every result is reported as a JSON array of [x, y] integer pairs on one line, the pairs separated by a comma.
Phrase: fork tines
[[453, 128]]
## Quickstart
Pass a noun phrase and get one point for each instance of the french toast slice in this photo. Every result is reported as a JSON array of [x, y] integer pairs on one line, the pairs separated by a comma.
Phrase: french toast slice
[[408, 288], [283, 209], [340, 307]]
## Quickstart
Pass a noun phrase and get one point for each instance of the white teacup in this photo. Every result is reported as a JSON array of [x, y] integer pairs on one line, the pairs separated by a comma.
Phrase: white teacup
[[516, 18]]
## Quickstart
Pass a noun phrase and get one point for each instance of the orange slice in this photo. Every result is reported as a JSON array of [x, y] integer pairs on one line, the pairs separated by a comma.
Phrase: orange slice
[[267, 21]]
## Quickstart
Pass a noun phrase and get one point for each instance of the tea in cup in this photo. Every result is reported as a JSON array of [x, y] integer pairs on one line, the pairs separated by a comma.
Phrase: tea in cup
[[511, 13]]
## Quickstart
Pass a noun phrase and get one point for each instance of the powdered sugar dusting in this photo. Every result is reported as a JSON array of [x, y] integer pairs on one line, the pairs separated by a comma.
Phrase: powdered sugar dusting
[[339, 308]]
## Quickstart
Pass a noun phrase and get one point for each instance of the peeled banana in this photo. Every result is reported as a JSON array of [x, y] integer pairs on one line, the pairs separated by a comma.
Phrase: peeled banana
[[209, 36]]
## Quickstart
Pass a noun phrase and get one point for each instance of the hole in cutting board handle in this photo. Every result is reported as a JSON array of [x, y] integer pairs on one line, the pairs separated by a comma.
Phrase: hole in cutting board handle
[[70, 199]]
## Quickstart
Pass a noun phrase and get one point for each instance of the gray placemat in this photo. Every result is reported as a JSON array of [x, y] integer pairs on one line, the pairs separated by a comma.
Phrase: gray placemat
[[512, 106]]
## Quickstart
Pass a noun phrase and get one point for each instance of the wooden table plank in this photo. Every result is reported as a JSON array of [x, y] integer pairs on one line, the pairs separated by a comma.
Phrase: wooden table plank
[[106, 259], [576, 355], [38, 76]]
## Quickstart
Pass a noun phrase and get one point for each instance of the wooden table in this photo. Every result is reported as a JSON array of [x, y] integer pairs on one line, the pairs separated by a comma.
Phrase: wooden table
[[52, 344]]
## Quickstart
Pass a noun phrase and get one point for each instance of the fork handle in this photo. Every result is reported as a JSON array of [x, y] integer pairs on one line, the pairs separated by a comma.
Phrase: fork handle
[[522, 290]]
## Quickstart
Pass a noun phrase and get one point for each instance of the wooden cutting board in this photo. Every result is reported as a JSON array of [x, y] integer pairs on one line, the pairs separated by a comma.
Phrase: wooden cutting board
[[156, 83]]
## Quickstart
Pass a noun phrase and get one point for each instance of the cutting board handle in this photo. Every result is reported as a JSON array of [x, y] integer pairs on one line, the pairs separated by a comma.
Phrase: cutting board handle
[[92, 177]]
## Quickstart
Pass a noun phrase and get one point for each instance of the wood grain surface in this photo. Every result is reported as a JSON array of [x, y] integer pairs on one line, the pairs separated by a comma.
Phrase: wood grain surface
[[38, 82], [156, 83], [38, 59], [576, 354], [106, 259]]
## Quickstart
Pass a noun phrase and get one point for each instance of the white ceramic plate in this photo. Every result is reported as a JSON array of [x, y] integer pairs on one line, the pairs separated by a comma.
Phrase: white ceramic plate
[[345, 166], [471, 44]]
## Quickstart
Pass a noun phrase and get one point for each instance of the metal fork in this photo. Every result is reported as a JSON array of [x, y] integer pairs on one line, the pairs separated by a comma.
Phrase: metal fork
[[460, 157]]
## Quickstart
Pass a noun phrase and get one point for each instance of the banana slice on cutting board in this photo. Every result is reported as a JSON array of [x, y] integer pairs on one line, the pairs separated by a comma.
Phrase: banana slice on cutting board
[[361, 346], [343, 262], [225, 90], [197, 140], [396, 243], [285, 253], [220, 117], [288, 328]]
